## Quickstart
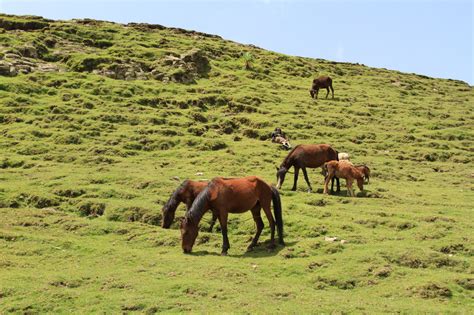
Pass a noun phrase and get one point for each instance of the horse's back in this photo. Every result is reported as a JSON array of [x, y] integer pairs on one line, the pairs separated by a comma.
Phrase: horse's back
[[310, 155], [237, 194], [322, 81]]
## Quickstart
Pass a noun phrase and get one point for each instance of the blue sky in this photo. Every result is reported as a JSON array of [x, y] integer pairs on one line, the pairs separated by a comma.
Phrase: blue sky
[[433, 38]]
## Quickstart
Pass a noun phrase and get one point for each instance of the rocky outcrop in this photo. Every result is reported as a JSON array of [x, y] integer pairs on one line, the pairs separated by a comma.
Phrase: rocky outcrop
[[25, 23], [183, 69], [123, 72]]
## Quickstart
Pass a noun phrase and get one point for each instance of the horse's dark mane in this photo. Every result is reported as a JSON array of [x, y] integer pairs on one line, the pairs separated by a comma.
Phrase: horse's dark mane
[[174, 199], [197, 210], [287, 158]]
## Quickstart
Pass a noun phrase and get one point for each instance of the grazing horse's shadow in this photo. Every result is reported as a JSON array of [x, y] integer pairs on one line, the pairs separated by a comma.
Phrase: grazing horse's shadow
[[343, 193], [337, 99], [261, 250]]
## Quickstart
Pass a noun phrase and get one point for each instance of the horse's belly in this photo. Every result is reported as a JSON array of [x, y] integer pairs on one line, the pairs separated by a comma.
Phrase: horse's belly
[[242, 205]]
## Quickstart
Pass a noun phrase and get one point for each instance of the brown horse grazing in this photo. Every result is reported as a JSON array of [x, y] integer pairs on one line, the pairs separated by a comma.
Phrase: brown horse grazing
[[345, 170], [303, 156], [321, 83], [234, 195], [186, 192], [365, 171]]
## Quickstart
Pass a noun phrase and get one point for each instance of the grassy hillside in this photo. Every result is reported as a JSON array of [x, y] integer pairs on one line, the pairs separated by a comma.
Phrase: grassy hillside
[[100, 122]]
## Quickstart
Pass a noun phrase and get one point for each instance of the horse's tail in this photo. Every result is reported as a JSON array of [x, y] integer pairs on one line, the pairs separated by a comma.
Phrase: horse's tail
[[277, 211]]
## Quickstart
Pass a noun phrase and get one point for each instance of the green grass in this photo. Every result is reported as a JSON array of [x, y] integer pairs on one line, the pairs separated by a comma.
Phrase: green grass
[[87, 162]]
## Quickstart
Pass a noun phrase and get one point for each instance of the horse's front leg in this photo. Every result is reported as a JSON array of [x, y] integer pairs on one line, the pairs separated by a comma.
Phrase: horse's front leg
[[295, 182], [223, 215], [338, 185], [268, 212], [213, 221], [306, 178]]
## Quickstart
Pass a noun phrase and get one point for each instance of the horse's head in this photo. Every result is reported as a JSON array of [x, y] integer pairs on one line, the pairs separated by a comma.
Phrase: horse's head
[[311, 92], [168, 216], [189, 233], [169, 210], [281, 173]]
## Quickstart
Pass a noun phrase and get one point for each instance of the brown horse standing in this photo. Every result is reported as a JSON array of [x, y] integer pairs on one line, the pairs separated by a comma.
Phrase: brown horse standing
[[186, 192], [234, 195], [321, 83], [345, 170], [303, 156]]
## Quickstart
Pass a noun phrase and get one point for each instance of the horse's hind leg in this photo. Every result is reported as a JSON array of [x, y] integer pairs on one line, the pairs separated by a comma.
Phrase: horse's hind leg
[[259, 223], [266, 207], [327, 92], [326, 183], [223, 215], [350, 191], [332, 90], [306, 178], [213, 222]]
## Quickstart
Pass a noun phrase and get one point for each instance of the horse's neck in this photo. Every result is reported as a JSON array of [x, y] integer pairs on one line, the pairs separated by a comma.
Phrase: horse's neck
[[288, 163], [199, 213], [199, 206]]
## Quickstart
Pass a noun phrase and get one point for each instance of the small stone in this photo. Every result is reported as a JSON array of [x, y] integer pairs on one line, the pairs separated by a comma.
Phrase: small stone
[[330, 239]]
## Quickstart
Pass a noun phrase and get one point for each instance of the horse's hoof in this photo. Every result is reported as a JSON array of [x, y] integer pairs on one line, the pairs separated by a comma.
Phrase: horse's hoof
[[250, 249], [224, 254], [293, 189], [282, 243]]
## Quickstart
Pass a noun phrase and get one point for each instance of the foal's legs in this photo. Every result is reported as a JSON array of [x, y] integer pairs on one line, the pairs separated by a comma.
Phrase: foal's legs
[[350, 191], [326, 182], [223, 215], [306, 178], [297, 170], [268, 212], [259, 222], [213, 221]]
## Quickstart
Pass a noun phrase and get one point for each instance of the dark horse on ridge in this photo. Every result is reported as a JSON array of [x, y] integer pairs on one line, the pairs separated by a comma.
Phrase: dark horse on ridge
[[321, 83], [234, 195], [303, 156], [186, 192]]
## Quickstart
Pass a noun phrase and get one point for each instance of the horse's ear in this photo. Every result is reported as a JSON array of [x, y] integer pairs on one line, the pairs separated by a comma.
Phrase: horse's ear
[[277, 168]]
